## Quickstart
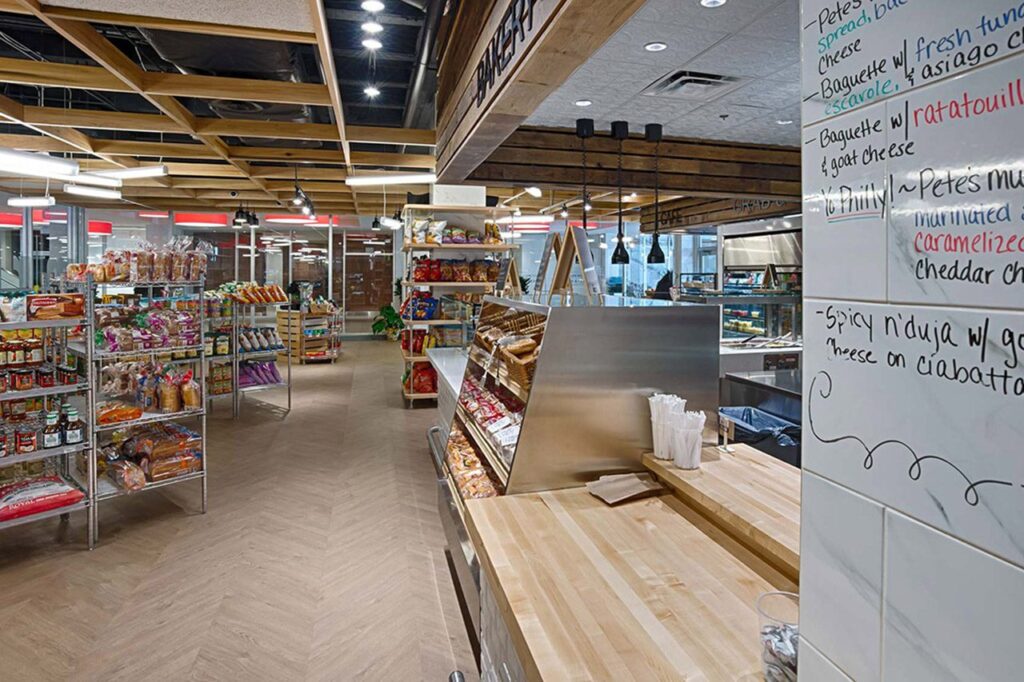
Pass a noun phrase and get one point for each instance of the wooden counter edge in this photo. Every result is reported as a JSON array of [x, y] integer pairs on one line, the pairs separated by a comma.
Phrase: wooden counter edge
[[522, 648], [772, 550]]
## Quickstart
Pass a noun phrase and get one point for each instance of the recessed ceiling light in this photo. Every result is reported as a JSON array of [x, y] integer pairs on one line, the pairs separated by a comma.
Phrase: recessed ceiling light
[[372, 27], [372, 44], [372, 5], [712, 3], [583, 102], [371, 91], [656, 46], [785, 121]]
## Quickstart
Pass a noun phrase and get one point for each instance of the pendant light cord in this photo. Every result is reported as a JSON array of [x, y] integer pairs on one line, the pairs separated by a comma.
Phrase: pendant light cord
[[618, 178], [657, 185], [583, 141]]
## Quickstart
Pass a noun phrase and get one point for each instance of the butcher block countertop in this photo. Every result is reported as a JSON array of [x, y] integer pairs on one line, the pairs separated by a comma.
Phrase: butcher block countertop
[[753, 496], [646, 590]]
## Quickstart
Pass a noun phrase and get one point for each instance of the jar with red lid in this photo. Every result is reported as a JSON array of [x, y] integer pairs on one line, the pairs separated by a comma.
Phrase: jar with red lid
[[15, 354], [33, 352], [46, 377], [26, 441], [67, 375], [18, 410], [23, 379]]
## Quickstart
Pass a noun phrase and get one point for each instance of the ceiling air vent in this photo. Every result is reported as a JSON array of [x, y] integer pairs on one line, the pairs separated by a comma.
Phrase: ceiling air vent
[[692, 85]]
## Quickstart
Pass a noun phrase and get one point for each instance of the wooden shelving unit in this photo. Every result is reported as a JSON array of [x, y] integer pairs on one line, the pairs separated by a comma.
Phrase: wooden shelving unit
[[299, 330]]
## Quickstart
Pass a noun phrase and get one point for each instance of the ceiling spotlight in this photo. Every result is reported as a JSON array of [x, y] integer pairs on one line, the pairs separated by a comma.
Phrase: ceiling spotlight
[[240, 218], [785, 121], [298, 198], [564, 212], [306, 210], [583, 102], [518, 212], [372, 44], [632, 195], [712, 3], [656, 46], [372, 27], [534, 192], [372, 5], [371, 91], [376, 224], [587, 206]]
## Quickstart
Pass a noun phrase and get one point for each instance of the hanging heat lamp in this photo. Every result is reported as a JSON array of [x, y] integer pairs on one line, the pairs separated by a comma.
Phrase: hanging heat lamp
[[620, 131], [652, 133], [584, 129]]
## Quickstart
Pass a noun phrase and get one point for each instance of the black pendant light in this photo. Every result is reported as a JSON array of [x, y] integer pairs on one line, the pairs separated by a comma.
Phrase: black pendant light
[[620, 131], [652, 133], [584, 129]]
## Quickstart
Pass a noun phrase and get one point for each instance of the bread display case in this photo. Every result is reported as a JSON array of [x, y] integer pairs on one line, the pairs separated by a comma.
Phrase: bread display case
[[555, 396]]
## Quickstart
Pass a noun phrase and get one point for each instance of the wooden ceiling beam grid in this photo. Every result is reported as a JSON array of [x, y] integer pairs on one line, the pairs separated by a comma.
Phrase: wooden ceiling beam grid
[[162, 23]]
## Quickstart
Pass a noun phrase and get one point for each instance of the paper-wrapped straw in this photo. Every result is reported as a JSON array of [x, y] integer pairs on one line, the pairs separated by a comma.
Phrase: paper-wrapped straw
[[687, 439], [665, 410]]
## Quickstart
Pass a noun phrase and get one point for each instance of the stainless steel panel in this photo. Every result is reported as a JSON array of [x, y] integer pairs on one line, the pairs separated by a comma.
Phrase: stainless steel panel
[[588, 412], [780, 248], [460, 549]]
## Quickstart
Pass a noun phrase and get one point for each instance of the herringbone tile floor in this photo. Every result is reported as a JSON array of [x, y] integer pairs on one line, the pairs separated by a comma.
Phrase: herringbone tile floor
[[321, 557]]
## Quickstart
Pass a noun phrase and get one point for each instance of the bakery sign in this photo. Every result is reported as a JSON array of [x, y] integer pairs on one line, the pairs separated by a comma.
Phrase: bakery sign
[[715, 212], [515, 26]]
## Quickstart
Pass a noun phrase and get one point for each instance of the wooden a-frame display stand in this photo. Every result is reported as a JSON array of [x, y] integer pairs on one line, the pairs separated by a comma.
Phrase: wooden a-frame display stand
[[575, 250]]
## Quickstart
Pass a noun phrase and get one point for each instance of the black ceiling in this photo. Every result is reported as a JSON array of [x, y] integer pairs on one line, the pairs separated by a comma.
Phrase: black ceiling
[[393, 69]]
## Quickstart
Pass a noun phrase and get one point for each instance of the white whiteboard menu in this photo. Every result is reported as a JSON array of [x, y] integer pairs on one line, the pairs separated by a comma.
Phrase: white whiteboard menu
[[923, 410], [856, 52], [845, 207], [956, 229]]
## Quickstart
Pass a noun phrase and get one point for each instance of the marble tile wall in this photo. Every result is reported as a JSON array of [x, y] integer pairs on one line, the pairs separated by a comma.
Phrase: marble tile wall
[[912, 548]]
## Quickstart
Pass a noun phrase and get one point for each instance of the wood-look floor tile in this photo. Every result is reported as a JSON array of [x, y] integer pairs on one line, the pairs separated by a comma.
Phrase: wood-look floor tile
[[321, 558]]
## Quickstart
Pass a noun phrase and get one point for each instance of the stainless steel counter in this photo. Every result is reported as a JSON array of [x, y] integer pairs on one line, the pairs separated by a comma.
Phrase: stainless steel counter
[[450, 364]]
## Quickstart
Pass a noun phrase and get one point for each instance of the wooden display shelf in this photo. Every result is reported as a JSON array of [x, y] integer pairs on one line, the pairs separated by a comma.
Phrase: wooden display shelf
[[650, 587], [749, 494], [419, 396], [454, 285], [431, 323], [437, 208], [414, 358], [484, 248]]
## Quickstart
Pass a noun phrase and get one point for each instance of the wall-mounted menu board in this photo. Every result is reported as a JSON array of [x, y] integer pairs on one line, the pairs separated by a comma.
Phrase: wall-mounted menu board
[[857, 52]]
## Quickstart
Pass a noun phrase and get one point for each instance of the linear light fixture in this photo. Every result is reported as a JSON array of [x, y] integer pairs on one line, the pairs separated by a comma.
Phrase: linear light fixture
[[98, 192], [391, 223], [400, 179], [31, 201], [36, 165], [526, 220], [89, 179], [534, 192], [134, 173]]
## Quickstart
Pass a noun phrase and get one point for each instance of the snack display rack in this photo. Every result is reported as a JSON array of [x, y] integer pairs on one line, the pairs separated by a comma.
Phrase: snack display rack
[[55, 346], [471, 219], [104, 489], [246, 315]]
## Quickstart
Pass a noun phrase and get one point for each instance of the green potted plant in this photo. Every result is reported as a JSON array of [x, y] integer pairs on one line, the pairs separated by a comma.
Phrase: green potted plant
[[388, 322]]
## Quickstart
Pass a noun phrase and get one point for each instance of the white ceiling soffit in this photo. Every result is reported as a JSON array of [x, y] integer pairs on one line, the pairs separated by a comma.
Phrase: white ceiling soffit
[[290, 15], [756, 42]]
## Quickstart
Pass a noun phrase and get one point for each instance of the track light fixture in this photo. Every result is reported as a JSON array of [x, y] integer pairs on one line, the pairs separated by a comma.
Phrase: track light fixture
[[564, 213], [620, 131]]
